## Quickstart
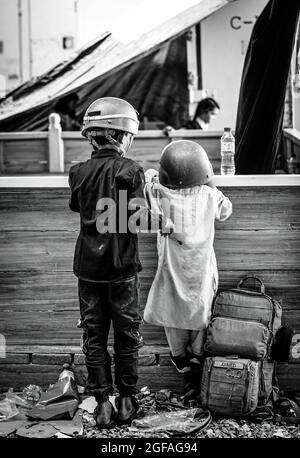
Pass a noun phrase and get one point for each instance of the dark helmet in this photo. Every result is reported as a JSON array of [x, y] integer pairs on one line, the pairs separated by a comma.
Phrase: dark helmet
[[184, 164]]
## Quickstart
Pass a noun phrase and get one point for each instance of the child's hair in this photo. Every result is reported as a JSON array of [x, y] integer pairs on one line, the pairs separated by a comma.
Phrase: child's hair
[[99, 138], [103, 137]]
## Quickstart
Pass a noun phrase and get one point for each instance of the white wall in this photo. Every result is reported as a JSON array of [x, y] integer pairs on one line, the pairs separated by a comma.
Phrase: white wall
[[51, 21], [34, 45], [223, 49], [9, 59]]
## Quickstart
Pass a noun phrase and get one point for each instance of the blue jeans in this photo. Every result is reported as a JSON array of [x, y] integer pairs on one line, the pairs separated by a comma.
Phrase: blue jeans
[[101, 304]]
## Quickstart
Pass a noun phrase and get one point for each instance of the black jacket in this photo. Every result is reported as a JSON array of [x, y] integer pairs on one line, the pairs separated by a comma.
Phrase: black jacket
[[191, 124], [108, 256]]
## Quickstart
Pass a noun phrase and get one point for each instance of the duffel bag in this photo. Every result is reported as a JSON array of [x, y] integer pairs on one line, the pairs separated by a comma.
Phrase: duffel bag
[[230, 386]]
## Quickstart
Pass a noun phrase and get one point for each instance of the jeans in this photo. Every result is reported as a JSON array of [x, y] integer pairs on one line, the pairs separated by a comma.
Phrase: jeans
[[101, 304]]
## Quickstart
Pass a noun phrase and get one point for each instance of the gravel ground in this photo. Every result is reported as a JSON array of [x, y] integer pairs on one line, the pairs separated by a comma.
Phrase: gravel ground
[[150, 404], [218, 428]]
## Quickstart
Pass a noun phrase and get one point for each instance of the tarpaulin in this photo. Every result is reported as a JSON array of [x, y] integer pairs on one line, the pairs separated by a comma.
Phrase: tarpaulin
[[263, 87]]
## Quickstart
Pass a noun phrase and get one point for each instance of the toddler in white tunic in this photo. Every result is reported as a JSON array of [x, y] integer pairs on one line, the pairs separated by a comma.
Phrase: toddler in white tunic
[[186, 280]]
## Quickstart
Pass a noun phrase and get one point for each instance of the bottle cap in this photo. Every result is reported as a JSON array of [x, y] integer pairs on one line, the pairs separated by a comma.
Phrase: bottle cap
[[227, 129]]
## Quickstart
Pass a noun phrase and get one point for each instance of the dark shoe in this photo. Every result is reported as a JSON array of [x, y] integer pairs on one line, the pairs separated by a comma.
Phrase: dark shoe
[[181, 363], [195, 359], [191, 393], [127, 407], [104, 415]]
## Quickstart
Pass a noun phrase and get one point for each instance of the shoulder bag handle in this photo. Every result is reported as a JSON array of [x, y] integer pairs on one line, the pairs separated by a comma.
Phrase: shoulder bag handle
[[253, 277]]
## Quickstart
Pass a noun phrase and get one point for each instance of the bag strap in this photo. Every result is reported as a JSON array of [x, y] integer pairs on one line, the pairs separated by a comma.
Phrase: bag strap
[[253, 277]]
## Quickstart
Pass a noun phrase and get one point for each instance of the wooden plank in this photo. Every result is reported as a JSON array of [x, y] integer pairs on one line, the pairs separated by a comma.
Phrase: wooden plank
[[2, 168], [235, 250], [155, 377], [51, 358], [76, 150], [61, 218], [146, 350], [289, 377], [17, 136], [18, 376], [59, 328], [34, 291], [146, 151], [26, 156], [251, 209], [15, 358]]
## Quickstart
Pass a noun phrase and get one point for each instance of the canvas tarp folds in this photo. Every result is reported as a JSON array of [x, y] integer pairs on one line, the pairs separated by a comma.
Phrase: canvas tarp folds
[[263, 87], [150, 72]]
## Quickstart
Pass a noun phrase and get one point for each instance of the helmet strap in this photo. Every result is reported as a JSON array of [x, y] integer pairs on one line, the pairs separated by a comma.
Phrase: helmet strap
[[114, 144]]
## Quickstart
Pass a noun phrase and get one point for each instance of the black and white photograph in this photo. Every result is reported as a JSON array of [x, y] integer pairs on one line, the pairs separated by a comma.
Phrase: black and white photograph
[[149, 225]]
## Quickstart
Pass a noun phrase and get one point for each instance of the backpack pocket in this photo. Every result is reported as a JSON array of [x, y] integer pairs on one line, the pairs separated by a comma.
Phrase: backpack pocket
[[229, 336], [230, 386]]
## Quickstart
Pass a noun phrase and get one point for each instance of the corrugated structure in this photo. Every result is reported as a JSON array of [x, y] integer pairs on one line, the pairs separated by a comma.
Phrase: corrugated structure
[[151, 73]]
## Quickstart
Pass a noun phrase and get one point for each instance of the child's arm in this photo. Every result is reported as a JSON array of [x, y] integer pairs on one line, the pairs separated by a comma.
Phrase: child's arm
[[224, 206], [152, 196], [73, 202], [144, 208]]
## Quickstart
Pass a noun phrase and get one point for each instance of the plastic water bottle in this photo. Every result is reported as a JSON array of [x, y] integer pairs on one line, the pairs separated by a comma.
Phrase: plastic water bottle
[[227, 152]]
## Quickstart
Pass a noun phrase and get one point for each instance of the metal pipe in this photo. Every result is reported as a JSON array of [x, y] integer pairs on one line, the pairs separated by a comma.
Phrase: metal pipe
[[30, 39], [20, 40]]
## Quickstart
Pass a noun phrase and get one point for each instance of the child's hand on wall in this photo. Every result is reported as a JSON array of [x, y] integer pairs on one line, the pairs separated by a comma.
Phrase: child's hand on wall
[[211, 183], [168, 227], [151, 176]]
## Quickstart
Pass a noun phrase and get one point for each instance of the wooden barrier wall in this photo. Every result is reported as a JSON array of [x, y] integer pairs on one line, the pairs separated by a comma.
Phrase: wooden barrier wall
[[41, 152], [38, 291], [56, 151]]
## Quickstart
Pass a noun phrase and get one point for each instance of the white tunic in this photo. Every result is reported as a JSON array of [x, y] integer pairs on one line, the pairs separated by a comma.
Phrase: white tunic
[[182, 292]]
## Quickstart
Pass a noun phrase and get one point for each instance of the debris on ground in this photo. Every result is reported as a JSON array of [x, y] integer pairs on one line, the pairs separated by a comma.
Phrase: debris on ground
[[73, 428], [8, 409], [89, 404], [64, 409], [60, 401], [9, 427], [42, 430], [62, 436], [32, 393], [151, 403]]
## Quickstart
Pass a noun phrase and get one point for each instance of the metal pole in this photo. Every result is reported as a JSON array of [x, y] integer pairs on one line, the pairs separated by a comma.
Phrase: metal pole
[[30, 39], [20, 40]]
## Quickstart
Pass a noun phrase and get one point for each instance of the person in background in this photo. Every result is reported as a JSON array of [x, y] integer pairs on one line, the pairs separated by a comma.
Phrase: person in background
[[206, 111], [66, 108], [181, 295]]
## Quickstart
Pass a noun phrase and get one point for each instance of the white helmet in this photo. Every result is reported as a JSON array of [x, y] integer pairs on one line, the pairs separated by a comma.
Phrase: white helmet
[[110, 113]]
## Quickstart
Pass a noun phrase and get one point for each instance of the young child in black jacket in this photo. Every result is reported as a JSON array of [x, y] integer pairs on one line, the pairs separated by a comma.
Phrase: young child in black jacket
[[106, 259]]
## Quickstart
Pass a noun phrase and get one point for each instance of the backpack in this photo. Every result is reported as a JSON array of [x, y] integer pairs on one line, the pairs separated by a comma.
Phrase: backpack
[[243, 322], [238, 374]]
